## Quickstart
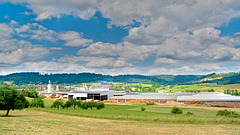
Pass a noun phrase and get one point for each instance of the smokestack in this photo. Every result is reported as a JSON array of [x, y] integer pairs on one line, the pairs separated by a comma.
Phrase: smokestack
[[49, 87], [57, 88]]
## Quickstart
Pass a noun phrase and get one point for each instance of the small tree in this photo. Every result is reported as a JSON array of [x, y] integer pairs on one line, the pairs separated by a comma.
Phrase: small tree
[[12, 99], [37, 102], [100, 105], [176, 110], [74, 103], [68, 104], [79, 104], [143, 108], [91, 104], [84, 105], [57, 104]]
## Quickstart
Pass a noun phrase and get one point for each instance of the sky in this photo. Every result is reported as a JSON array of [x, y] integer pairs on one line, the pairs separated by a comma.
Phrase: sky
[[147, 37]]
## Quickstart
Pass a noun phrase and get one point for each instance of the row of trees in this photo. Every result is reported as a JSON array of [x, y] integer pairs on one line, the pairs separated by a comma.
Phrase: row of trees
[[197, 91], [77, 103], [232, 92]]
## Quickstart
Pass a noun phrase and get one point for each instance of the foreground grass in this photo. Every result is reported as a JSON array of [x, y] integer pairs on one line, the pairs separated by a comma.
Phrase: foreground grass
[[31, 121], [153, 113]]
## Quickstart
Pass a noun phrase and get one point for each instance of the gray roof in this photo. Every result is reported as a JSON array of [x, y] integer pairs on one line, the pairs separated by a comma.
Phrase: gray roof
[[209, 96], [158, 96]]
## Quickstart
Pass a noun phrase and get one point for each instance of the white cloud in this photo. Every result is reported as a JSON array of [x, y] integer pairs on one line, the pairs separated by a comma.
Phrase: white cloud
[[182, 34], [104, 62], [25, 53], [46, 9], [166, 61], [36, 31], [101, 49], [14, 51], [74, 39], [54, 67]]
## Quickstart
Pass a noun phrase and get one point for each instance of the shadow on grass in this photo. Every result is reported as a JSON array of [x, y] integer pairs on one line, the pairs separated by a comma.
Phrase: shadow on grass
[[14, 116]]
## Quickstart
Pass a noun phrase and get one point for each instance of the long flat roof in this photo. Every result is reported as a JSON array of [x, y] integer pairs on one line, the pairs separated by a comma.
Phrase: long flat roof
[[209, 96]]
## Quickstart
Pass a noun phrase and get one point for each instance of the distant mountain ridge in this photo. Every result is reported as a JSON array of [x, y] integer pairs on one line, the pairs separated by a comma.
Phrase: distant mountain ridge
[[71, 78]]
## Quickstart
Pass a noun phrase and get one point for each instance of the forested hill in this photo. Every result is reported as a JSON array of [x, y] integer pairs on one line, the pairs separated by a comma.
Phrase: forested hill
[[65, 78]]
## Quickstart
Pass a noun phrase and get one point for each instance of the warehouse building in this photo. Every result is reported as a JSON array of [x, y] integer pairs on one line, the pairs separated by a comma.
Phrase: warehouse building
[[213, 99], [96, 95], [155, 97]]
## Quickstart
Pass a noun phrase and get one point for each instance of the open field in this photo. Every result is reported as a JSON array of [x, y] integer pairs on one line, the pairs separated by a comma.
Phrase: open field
[[153, 113], [119, 119], [31, 121]]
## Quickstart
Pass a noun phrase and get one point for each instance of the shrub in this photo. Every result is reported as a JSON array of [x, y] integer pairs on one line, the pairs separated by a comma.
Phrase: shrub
[[68, 104], [150, 103], [84, 105], [227, 113], [100, 105], [143, 108], [37, 102], [57, 104], [189, 113], [176, 110]]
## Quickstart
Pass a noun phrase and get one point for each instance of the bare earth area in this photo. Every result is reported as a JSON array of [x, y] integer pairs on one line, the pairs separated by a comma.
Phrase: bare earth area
[[36, 122]]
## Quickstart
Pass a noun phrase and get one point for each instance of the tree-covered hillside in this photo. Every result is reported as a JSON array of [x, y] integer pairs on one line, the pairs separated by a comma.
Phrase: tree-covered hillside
[[65, 78]]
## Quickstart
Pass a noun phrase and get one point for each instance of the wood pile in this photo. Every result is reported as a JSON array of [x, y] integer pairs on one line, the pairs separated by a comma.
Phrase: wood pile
[[140, 101], [193, 102], [224, 104], [172, 103], [54, 97], [110, 101]]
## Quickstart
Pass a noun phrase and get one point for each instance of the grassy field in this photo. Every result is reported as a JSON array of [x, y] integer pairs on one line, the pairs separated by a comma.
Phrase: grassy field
[[153, 113], [31, 121], [119, 119]]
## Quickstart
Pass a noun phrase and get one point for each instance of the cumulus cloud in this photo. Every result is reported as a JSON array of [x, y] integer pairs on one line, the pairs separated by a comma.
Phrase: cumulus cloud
[[25, 53], [46, 9], [101, 49], [182, 34], [36, 31], [54, 67], [105, 62], [74, 39], [15, 51]]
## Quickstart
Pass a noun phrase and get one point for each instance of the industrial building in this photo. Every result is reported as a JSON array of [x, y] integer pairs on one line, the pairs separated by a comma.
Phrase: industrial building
[[155, 97], [209, 97], [213, 99], [96, 95]]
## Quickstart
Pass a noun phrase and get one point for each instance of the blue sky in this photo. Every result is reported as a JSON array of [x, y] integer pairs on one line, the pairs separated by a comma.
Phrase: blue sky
[[119, 37]]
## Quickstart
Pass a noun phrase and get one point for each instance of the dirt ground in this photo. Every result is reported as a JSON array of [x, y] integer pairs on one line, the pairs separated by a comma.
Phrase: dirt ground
[[36, 122]]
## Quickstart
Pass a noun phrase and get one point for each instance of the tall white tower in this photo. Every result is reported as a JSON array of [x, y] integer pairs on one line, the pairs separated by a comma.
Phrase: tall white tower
[[49, 87]]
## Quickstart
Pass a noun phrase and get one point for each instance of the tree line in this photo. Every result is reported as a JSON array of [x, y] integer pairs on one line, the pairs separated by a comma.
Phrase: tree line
[[232, 92], [77, 104]]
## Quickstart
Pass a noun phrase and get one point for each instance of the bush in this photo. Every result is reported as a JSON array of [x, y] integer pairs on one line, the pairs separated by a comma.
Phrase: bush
[[150, 103], [143, 108], [42, 96], [67, 104], [37, 102], [57, 104], [176, 110], [227, 113], [189, 113], [100, 105]]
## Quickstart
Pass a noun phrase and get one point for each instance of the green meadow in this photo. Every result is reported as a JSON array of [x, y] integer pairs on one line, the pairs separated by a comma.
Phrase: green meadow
[[119, 119], [155, 113]]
